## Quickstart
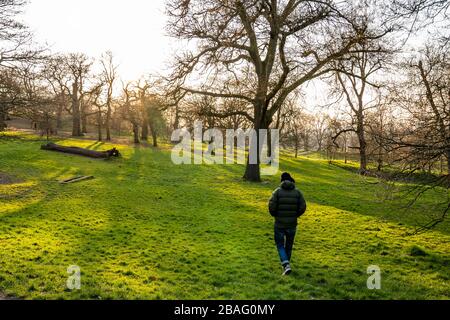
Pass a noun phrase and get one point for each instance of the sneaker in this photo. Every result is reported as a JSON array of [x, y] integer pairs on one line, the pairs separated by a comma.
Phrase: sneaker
[[287, 270]]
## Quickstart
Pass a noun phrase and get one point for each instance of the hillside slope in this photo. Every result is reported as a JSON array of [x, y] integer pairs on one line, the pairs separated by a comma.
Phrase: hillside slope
[[147, 229]]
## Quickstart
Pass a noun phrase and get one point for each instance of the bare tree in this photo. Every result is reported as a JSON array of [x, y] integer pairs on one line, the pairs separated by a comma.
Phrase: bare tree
[[11, 94], [420, 14], [141, 96], [78, 66], [130, 110], [298, 129], [109, 76], [379, 123], [262, 51], [95, 95], [353, 77], [156, 122], [426, 99], [421, 137], [320, 129], [57, 76], [435, 77], [40, 106], [15, 39]]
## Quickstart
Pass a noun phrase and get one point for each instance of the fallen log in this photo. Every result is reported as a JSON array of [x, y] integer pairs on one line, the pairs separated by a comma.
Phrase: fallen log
[[83, 152], [76, 179]]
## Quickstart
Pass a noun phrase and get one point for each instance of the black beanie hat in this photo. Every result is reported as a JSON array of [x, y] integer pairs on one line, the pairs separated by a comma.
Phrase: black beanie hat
[[287, 177]]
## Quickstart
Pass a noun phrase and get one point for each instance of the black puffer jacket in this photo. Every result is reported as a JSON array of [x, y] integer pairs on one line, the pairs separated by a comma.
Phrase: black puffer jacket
[[286, 205]]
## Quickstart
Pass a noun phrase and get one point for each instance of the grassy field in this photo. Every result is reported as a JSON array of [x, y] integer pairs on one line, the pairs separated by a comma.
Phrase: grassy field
[[147, 229]]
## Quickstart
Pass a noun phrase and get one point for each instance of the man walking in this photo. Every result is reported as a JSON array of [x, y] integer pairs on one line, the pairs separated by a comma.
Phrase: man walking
[[286, 205]]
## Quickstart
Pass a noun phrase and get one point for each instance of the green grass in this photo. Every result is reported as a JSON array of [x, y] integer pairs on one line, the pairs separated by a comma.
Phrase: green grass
[[147, 229]]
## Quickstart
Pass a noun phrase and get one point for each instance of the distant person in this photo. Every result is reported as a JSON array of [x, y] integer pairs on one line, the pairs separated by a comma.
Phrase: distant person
[[286, 205]]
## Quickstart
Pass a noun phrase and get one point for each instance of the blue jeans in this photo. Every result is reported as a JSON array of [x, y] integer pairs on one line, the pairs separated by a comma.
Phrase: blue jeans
[[284, 239]]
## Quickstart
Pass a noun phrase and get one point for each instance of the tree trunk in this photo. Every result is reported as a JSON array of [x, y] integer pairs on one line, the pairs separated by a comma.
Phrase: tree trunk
[[145, 124], [136, 133], [345, 149], [380, 160], [448, 161], [83, 122], [76, 119], [99, 123], [380, 165], [306, 142], [176, 122], [59, 117], [362, 152], [2, 120], [252, 171], [154, 135], [108, 122], [155, 140], [80, 151], [84, 116]]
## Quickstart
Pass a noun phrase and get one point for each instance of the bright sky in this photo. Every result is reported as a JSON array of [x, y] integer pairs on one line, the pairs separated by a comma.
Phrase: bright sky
[[133, 30]]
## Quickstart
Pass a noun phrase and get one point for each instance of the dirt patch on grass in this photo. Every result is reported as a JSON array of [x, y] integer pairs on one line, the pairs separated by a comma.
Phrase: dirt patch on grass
[[7, 179]]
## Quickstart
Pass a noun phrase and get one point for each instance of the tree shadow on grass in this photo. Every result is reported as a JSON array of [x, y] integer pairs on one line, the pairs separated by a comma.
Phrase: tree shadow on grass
[[201, 244], [404, 177], [149, 229], [191, 254], [95, 145], [332, 186]]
